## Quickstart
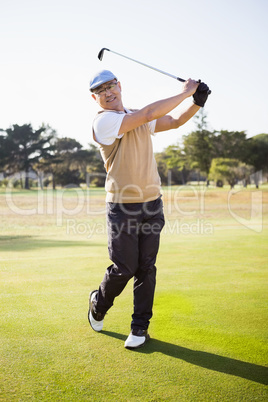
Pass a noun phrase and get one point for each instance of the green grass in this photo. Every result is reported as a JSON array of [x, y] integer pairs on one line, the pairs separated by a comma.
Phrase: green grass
[[209, 329]]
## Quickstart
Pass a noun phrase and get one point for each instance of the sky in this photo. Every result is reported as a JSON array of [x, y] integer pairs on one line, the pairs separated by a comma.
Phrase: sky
[[48, 52]]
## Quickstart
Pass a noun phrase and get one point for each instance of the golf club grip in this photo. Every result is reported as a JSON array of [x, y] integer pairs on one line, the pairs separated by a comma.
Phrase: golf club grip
[[182, 80]]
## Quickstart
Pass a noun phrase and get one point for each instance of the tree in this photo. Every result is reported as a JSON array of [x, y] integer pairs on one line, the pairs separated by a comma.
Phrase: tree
[[67, 145], [7, 149], [257, 152], [198, 145], [200, 120], [177, 164], [227, 169], [95, 166], [89, 163], [161, 160], [24, 146], [70, 164], [60, 163], [198, 149], [229, 144]]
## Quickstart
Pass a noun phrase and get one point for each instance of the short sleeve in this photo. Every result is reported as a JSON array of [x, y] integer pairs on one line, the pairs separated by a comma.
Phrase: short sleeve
[[106, 127], [152, 125]]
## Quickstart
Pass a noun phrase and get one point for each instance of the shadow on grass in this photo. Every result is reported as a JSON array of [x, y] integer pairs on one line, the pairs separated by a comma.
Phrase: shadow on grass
[[210, 361], [25, 243]]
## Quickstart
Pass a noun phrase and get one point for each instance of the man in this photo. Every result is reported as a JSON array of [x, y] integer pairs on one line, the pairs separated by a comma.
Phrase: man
[[134, 206]]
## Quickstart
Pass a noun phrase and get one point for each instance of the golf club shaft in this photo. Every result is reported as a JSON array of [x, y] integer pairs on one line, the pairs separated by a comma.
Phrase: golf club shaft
[[100, 55]]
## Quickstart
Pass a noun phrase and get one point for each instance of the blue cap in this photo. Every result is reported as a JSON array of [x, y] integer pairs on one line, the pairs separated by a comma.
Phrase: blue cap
[[100, 78]]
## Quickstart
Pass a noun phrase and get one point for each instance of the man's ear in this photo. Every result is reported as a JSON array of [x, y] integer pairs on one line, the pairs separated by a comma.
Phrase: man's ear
[[94, 96]]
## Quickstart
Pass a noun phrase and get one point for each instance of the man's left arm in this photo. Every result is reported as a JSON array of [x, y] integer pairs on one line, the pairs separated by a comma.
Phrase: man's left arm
[[199, 98], [168, 122]]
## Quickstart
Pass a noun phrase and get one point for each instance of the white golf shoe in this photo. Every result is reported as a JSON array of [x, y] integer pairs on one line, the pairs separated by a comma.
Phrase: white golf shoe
[[136, 338], [95, 319]]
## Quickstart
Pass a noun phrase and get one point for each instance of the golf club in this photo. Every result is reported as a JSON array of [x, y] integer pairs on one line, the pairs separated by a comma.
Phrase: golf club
[[100, 57]]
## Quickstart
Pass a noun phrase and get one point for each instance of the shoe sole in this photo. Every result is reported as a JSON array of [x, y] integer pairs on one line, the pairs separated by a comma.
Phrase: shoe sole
[[90, 304]]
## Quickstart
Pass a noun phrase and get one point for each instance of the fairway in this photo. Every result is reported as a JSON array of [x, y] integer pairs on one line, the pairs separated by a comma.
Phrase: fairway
[[210, 323]]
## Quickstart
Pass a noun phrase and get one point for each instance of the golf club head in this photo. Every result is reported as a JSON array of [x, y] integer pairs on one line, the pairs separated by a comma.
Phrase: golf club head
[[100, 55]]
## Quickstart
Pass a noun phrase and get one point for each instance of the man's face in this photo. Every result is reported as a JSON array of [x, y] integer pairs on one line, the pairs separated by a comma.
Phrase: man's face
[[108, 95]]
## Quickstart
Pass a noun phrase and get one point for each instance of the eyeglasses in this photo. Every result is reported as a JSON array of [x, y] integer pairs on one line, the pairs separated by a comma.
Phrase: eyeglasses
[[105, 88]]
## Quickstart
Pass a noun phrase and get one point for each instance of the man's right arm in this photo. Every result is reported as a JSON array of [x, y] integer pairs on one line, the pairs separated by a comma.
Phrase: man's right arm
[[157, 109]]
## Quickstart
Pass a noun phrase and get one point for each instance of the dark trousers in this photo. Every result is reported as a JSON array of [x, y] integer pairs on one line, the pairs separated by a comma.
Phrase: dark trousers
[[133, 243]]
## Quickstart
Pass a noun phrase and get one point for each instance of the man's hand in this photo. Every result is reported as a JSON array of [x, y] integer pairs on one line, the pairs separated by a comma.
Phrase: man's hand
[[201, 94], [190, 86]]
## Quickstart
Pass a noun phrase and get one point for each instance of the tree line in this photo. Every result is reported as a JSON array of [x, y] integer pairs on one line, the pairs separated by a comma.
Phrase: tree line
[[55, 161], [222, 156]]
